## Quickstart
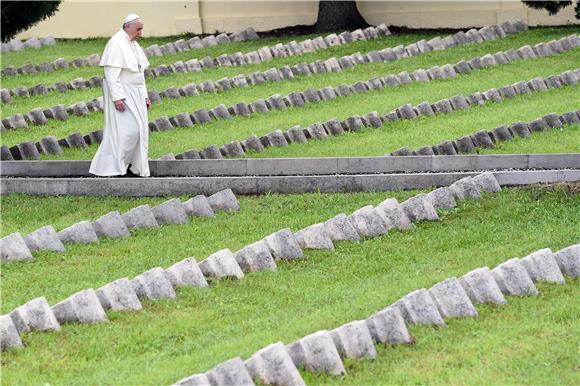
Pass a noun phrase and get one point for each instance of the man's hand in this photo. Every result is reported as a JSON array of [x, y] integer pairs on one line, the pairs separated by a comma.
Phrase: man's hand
[[148, 103], [120, 105]]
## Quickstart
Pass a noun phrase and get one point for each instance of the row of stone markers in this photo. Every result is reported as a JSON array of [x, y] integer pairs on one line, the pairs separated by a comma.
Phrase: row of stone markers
[[277, 138], [40, 117], [19, 45], [333, 127], [469, 144], [114, 225], [273, 74], [50, 145], [261, 55], [323, 351], [88, 306], [180, 45]]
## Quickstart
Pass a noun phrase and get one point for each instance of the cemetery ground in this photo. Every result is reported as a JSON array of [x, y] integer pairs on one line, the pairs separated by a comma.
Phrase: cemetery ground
[[531, 340]]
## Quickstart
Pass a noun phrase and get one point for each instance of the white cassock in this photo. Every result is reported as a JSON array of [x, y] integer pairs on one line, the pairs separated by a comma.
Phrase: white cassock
[[125, 134]]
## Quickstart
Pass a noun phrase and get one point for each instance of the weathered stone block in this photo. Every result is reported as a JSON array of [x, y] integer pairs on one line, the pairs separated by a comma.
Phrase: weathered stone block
[[317, 353], [211, 152], [486, 182], [82, 307], [153, 284], [170, 212], [284, 245], [316, 131], [111, 225], [81, 232], [419, 208], [451, 299], [445, 148], [388, 327], [36, 315], [568, 260], [419, 308], [459, 102], [253, 143], [119, 295], [353, 123], [221, 264], [393, 214], [501, 133], [368, 222], [231, 372], [139, 217], [9, 337], [314, 237], [538, 84], [553, 120], [442, 198], [333, 127], [186, 273], [340, 228], [465, 188], [464, 145], [193, 380], [198, 206], [442, 106], [513, 279], [273, 365], [255, 257], [353, 340], [481, 287], [224, 200], [45, 239], [49, 145], [542, 266]]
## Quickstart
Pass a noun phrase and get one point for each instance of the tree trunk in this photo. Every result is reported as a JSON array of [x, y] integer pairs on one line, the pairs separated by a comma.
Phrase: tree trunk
[[339, 16]]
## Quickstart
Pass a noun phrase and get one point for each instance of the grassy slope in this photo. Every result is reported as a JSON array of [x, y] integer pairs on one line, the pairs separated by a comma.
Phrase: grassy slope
[[171, 339]]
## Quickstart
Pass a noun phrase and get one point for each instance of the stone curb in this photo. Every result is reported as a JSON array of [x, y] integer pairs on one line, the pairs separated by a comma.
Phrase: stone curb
[[307, 166], [257, 185], [114, 225]]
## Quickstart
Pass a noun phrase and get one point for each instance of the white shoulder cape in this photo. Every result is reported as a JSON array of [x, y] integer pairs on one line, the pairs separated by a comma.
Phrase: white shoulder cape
[[118, 53]]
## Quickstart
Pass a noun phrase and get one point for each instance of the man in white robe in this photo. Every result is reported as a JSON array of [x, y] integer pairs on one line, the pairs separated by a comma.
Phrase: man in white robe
[[126, 132]]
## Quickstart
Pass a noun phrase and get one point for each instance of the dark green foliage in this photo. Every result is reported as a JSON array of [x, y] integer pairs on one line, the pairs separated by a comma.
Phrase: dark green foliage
[[553, 7], [18, 16]]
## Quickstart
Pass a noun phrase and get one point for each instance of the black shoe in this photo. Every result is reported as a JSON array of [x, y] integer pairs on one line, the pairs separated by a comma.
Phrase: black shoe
[[130, 173]]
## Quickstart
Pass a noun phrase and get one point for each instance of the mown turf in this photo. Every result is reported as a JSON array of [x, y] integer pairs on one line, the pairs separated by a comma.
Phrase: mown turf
[[527, 341]]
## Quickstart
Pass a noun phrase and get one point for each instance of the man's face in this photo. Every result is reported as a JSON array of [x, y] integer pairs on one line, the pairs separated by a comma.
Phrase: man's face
[[135, 29]]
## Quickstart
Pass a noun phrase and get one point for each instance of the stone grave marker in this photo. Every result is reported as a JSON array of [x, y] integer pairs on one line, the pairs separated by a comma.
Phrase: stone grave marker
[[419, 308], [542, 266], [82, 232], [44, 238], [111, 225], [451, 299], [283, 245], [353, 340], [481, 287], [153, 284], [231, 372], [139, 217], [36, 315], [186, 273], [273, 365], [170, 212], [314, 237], [340, 228], [368, 222], [568, 260], [198, 206], [442, 198], [82, 307], [513, 279], [9, 337], [317, 353], [119, 295], [465, 188], [388, 327], [221, 264], [255, 257], [224, 200], [486, 182], [393, 214], [419, 208]]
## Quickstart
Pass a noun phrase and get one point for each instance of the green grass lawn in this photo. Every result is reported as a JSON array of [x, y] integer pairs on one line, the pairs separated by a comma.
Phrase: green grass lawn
[[528, 341]]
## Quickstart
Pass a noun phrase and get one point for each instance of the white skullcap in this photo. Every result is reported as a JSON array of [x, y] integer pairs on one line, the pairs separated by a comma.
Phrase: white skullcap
[[131, 17]]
